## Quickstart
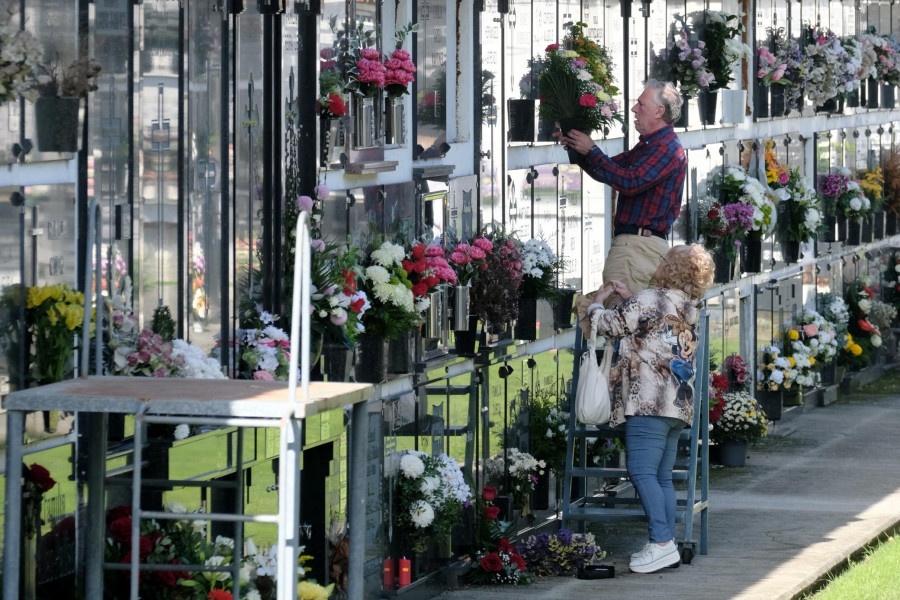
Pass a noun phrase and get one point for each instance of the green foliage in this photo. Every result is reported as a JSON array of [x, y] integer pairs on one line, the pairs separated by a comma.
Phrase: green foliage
[[163, 324]]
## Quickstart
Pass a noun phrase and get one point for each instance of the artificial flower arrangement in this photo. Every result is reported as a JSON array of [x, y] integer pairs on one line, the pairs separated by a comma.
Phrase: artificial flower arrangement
[[722, 227], [773, 372], [864, 337], [723, 48], [834, 310], [358, 61], [430, 496], [843, 196], [495, 293], [263, 347], [736, 370], [804, 212], [399, 70], [54, 317], [718, 387], [76, 79], [576, 84], [20, 54], [882, 316], [549, 429], [891, 289], [36, 481], [826, 58], [496, 560], [741, 419], [331, 87], [393, 310], [783, 64], [540, 268], [871, 181], [860, 63], [885, 48], [470, 259], [523, 470], [185, 541], [890, 166], [427, 270], [559, 554], [813, 343], [684, 64]]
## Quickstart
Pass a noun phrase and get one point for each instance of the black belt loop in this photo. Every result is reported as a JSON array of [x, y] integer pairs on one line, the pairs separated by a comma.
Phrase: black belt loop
[[635, 230]]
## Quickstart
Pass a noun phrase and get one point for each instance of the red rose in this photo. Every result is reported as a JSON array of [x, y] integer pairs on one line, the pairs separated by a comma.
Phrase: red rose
[[219, 595], [431, 281], [491, 562], [418, 251], [171, 578], [588, 100], [407, 265], [491, 512], [120, 530], [419, 289], [117, 513], [39, 476], [713, 213], [504, 546], [357, 305], [145, 547], [488, 493], [518, 561], [420, 266]]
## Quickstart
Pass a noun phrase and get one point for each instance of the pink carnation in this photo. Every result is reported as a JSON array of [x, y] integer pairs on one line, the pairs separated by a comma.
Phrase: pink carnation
[[369, 53], [460, 258], [484, 243], [588, 100], [477, 253], [434, 250], [810, 330]]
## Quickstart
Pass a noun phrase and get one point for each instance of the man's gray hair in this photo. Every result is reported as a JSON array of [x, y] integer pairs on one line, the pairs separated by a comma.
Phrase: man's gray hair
[[668, 97]]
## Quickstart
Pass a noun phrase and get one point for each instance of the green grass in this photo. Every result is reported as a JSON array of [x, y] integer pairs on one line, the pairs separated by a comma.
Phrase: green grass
[[872, 575]]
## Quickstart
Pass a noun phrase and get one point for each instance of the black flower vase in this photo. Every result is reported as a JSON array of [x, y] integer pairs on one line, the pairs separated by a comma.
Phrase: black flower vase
[[865, 234], [761, 101], [791, 252], [770, 402], [890, 223], [887, 96], [706, 101], [370, 359], [854, 232], [58, 125], [853, 99], [842, 226], [526, 323], [724, 267], [829, 106], [464, 341], [871, 93], [829, 373], [521, 120], [751, 256], [878, 218], [777, 106], [683, 117], [830, 233], [563, 310]]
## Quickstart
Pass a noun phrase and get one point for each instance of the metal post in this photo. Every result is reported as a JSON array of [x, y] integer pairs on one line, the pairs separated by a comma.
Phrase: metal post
[[12, 504], [356, 507], [138, 459], [96, 520]]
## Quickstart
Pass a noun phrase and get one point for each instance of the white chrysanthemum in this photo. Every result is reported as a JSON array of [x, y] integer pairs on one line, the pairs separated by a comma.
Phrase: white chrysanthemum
[[411, 466], [865, 305], [182, 431], [876, 341], [421, 513], [776, 377], [377, 274]]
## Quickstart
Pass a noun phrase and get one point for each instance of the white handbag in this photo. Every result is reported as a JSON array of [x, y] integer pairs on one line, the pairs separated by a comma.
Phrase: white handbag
[[592, 402]]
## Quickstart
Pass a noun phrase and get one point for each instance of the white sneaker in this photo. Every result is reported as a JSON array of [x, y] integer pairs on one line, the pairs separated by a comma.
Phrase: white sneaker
[[641, 551], [655, 557]]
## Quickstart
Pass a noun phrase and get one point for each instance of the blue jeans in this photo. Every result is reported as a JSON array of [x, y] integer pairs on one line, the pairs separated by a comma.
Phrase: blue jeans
[[650, 447]]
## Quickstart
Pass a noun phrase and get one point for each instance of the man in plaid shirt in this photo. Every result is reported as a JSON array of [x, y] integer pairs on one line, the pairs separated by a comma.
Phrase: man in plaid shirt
[[649, 180]]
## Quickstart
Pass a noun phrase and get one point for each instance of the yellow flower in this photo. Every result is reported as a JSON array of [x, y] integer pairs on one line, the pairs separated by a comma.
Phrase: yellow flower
[[812, 361], [791, 361], [74, 316], [36, 296], [602, 96], [310, 591], [793, 334], [570, 54], [855, 349], [53, 315], [56, 291]]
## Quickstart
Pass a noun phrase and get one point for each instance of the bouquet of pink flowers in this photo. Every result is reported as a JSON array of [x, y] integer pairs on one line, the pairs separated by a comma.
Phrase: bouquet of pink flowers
[[470, 259]]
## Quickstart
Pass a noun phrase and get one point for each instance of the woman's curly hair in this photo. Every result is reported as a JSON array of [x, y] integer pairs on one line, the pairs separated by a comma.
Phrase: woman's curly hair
[[688, 268]]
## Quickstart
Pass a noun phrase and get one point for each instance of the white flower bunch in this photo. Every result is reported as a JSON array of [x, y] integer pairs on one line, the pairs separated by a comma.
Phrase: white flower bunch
[[773, 372], [742, 418], [197, 365], [20, 54], [538, 259], [865, 304], [756, 195]]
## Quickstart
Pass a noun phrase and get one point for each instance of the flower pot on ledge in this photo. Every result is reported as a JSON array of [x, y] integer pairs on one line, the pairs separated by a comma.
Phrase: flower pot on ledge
[[58, 123]]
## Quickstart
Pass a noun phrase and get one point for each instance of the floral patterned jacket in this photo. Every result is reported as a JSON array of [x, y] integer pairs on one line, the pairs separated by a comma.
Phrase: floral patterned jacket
[[655, 341]]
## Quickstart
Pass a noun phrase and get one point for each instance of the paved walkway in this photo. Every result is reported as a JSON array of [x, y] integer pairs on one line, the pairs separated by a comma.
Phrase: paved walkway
[[802, 505]]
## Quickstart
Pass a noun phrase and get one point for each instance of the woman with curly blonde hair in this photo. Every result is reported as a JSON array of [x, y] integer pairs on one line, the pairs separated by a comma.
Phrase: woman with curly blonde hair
[[654, 340]]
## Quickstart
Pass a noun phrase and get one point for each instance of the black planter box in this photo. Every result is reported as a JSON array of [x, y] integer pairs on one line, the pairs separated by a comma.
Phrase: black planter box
[[58, 125]]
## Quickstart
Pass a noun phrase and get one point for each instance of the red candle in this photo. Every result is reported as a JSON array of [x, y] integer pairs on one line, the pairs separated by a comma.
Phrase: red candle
[[389, 573], [404, 572]]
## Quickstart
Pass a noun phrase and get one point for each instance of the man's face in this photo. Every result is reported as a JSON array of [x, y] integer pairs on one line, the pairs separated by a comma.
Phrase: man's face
[[647, 113]]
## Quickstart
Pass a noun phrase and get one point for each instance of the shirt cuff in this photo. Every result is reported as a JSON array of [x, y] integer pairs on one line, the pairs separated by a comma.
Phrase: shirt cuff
[[594, 151], [593, 307]]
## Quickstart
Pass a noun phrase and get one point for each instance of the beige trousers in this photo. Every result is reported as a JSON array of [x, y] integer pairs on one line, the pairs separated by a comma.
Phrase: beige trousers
[[633, 260]]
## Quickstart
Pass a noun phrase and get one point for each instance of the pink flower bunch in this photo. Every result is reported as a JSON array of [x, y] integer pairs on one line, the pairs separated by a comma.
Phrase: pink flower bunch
[[153, 357], [370, 70], [833, 185], [588, 100], [735, 368], [512, 260], [738, 215], [399, 73], [769, 71], [470, 259]]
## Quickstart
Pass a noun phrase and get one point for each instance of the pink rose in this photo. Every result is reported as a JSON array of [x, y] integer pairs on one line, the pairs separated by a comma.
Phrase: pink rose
[[810, 330], [263, 376]]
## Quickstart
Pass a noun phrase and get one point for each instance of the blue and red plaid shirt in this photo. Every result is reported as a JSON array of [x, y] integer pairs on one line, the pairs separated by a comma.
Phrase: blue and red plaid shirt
[[649, 179]]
